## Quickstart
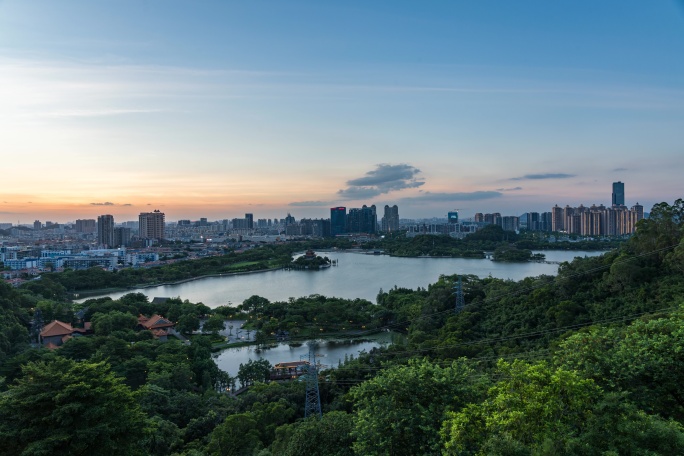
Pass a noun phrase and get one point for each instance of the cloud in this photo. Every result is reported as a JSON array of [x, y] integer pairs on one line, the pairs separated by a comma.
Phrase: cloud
[[543, 176], [514, 189], [457, 196], [311, 203], [384, 178], [127, 204], [94, 112], [617, 170], [106, 203]]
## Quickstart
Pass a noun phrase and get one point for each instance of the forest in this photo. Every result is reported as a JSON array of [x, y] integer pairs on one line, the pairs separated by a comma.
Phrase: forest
[[587, 362]]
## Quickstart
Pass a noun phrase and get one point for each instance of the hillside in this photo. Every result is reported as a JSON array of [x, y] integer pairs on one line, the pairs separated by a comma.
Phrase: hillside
[[586, 362]]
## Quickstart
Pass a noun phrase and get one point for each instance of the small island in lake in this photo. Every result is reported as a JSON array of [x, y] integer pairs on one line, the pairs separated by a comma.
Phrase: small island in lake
[[310, 261]]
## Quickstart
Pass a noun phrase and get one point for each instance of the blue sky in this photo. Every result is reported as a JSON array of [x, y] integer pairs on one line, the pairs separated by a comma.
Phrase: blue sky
[[218, 108]]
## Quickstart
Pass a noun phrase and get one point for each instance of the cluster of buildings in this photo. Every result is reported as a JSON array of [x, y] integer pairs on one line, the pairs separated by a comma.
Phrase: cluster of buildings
[[30, 259], [103, 243], [56, 333], [596, 220]]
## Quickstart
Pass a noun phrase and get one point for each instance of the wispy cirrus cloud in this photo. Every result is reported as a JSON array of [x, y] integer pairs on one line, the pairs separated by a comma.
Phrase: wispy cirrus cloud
[[109, 203], [455, 196], [383, 179], [311, 203], [93, 113], [542, 176]]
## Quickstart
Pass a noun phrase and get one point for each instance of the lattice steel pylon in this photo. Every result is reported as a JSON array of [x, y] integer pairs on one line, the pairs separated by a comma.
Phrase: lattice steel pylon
[[312, 407], [460, 300]]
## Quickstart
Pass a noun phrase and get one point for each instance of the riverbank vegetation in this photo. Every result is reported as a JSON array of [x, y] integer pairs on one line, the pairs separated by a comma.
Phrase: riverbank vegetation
[[310, 261], [586, 362], [272, 256]]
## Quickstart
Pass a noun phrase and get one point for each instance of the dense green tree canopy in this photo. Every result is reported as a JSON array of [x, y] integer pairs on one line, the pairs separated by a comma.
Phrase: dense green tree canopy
[[68, 407]]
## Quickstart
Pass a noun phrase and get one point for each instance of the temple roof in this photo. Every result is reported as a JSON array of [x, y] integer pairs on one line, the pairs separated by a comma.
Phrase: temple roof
[[56, 328]]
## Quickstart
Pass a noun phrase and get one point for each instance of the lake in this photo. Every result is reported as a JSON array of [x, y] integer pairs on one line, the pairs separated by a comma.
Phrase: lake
[[331, 352], [357, 275]]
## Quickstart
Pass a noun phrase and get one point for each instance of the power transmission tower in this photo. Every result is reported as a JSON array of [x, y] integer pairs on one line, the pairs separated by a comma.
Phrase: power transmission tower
[[460, 301], [312, 407]]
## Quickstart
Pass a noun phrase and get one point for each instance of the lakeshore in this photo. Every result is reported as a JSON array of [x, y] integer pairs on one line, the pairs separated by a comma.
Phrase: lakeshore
[[357, 276]]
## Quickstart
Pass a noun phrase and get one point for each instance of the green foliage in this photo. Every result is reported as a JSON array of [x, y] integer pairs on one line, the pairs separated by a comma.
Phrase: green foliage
[[95, 278], [254, 371], [492, 233], [399, 411], [14, 336], [214, 324], [511, 253], [534, 405], [236, 436], [303, 262], [188, 323], [312, 315], [66, 407], [329, 436], [604, 391], [645, 358], [106, 323]]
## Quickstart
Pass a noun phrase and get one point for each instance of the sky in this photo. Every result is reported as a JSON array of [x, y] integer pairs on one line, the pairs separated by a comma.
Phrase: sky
[[218, 108]]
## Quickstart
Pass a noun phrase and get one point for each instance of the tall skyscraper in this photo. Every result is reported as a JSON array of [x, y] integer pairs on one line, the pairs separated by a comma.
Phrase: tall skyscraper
[[363, 220], [390, 221], [618, 194], [338, 220], [151, 225], [105, 231], [452, 217], [557, 219], [250, 221]]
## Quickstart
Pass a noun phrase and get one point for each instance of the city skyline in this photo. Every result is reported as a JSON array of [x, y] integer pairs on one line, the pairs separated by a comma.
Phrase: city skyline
[[249, 217], [227, 108]]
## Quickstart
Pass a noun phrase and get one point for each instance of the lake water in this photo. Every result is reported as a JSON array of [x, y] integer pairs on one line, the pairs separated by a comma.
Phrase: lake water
[[357, 275], [331, 353]]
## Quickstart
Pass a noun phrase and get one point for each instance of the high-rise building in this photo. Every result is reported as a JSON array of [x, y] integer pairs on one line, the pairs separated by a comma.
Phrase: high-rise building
[[86, 226], [122, 236], [105, 230], [452, 216], [363, 220], [533, 221], [509, 223], [390, 221], [338, 220], [151, 225], [37, 225], [250, 221], [618, 194], [557, 219], [545, 222], [639, 210]]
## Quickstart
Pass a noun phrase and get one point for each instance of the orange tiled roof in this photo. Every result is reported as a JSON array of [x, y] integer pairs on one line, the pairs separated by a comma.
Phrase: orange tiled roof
[[56, 328], [157, 333], [156, 321]]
